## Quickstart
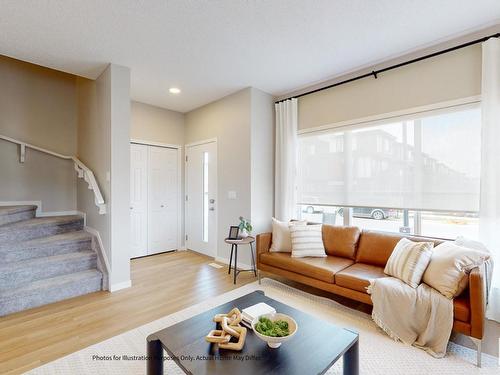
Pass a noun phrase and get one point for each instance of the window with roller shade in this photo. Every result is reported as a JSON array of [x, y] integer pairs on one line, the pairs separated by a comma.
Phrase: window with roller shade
[[428, 164]]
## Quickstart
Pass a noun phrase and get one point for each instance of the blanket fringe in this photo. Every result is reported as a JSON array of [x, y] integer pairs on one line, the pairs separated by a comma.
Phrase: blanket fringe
[[386, 329], [393, 336]]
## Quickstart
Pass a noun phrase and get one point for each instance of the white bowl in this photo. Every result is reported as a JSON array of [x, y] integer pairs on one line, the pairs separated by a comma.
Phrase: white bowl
[[275, 342]]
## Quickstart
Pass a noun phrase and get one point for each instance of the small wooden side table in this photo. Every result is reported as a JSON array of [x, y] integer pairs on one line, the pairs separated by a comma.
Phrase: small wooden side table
[[234, 247]]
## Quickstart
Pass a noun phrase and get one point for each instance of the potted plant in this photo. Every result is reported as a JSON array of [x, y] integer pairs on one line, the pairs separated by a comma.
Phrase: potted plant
[[245, 227]]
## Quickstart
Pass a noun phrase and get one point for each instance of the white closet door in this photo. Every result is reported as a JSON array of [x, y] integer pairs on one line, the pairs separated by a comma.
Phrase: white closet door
[[139, 200], [163, 199]]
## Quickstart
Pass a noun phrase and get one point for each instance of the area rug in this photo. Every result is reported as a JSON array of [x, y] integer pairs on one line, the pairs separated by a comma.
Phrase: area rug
[[121, 355]]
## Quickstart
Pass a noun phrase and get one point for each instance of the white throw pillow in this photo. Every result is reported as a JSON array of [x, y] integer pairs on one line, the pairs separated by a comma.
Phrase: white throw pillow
[[409, 260], [281, 240], [307, 241], [471, 244], [449, 268]]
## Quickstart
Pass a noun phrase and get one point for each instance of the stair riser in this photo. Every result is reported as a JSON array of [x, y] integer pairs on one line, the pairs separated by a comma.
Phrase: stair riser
[[37, 231], [19, 277], [43, 297], [15, 217], [7, 256]]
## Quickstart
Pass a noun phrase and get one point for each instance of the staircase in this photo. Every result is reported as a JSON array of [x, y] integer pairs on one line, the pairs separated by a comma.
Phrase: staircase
[[44, 259]]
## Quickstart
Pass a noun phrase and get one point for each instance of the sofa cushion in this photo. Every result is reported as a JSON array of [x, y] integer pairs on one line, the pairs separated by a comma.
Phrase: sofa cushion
[[461, 308], [358, 276], [375, 248], [341, 241], [322, 269]]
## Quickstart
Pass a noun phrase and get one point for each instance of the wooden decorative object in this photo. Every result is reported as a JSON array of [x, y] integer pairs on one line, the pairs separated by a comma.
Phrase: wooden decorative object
[[218, 336], [230, 324], [242, 331], [234, 317]]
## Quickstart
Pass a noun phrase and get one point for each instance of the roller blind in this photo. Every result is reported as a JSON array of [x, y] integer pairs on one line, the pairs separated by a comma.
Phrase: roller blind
[[429, 161]]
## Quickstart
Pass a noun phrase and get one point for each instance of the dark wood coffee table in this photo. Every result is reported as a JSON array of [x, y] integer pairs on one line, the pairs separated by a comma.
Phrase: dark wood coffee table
[[316, 346]]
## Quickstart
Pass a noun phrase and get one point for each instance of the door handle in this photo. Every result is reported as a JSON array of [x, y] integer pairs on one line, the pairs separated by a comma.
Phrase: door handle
[[211, 209]]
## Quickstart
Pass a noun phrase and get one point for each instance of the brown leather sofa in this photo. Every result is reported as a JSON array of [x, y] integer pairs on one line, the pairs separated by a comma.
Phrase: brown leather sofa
[[355, 257]]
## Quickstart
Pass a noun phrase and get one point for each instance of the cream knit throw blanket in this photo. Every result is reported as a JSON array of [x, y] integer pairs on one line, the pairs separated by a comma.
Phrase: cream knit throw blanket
[[421, 317]]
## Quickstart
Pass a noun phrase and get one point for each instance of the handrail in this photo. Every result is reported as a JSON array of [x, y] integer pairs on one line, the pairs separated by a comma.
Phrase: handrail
[[82, 170]]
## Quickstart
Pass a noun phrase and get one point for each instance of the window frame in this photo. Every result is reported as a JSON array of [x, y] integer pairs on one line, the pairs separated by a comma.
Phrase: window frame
[[410, 113]]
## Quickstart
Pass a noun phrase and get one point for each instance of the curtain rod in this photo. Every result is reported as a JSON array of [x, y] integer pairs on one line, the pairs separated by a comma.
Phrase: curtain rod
[[374, 73]]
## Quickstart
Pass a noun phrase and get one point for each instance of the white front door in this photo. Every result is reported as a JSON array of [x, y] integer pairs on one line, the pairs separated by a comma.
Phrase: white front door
[[163, 199], [139, 200], [201, 195]]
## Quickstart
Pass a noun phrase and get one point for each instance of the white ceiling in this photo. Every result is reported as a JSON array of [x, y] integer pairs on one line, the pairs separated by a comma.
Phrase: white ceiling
[[212, 48]]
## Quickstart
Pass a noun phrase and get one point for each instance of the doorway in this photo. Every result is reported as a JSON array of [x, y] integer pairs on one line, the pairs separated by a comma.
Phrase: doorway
[[201, 197], [154, 199]]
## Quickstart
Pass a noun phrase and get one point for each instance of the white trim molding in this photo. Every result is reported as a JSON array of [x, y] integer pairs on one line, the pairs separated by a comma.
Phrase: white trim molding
[[197, 143], [95, 232], [180, 163], [120, 286], [186, 214], [152, 143]]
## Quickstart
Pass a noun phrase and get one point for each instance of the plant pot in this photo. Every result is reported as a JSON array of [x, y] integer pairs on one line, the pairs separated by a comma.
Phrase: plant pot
[[243, 233]]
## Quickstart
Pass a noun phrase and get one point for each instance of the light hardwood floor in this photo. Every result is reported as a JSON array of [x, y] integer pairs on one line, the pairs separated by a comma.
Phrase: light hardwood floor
[[161, 285]]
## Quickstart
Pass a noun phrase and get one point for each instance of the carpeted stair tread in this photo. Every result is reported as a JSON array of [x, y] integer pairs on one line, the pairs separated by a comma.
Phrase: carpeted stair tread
[[12, 214], [48, 220], [51, 290], [8, 210], [14, 275], [39, 227], [45, 246]]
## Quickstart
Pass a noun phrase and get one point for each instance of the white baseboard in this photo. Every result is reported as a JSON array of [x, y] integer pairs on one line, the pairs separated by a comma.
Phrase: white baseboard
[[226, 261], [119, 286], [64, 213]]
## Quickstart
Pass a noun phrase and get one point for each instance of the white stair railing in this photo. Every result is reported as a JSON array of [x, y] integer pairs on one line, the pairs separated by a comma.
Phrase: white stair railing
[[82, 170]]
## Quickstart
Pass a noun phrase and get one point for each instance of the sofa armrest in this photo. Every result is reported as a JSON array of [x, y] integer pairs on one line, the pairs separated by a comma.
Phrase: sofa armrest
[[263, 244], [478, 297]]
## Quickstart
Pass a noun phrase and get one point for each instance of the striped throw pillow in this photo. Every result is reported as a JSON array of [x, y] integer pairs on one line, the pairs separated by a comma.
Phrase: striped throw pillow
[[409, 260], [307, 241]]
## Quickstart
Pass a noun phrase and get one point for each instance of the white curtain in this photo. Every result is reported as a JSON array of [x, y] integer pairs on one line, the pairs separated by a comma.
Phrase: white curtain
[[285, 196], [489, 213]]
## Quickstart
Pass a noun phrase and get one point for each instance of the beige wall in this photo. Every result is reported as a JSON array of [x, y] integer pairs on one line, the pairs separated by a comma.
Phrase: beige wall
[[262, 160], [446, 77], [154, 124], [38, 106], [243, 125], [103, 145], [120, 175]]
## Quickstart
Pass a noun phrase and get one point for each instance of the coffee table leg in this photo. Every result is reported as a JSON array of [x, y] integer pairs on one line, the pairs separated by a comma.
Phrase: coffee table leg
[[230, 259], [155, 356], [351, 360]]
